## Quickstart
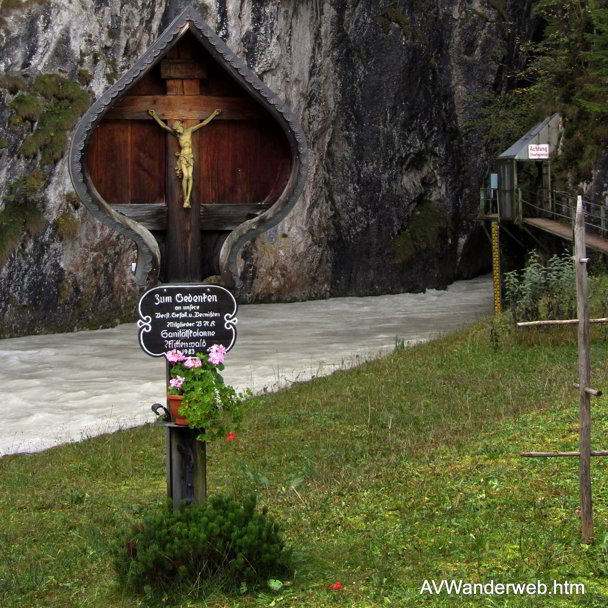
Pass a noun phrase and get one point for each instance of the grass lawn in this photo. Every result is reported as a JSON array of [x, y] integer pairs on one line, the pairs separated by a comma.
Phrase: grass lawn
[[388, 477]]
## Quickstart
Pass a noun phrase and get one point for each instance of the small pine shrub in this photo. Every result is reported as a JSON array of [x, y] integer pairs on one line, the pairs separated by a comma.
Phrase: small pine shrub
[[221, 543]]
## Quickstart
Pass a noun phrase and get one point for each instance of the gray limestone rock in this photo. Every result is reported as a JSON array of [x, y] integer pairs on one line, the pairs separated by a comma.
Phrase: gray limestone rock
[[382, 88]]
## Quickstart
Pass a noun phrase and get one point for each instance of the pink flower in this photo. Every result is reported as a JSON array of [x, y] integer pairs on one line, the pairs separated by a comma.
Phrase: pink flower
[[176, 382], [175, 356], [231, 436], [216, 354], [191, 362]]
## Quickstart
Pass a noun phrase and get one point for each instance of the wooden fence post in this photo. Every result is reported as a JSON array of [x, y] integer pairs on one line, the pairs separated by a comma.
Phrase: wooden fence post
[[580, 256]]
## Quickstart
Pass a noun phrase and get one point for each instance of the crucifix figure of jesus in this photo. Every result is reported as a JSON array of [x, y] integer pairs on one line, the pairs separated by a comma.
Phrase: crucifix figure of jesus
[[185, 156]]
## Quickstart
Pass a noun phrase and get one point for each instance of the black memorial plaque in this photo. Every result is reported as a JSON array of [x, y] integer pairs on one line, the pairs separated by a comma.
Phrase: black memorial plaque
[[189, 318]]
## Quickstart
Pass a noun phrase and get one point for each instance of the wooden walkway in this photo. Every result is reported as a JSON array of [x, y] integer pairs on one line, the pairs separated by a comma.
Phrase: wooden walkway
[[566, 232]]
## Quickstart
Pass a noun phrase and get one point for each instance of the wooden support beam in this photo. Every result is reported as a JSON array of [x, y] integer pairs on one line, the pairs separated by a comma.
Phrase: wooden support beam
[[215, 216], [559, 322], [561, 454], [180, 69], [589, 391], [184, 107]]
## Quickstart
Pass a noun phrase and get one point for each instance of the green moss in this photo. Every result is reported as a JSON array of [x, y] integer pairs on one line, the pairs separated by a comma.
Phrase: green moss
[[72, 199], [21, 215], [13, 83], [66, 102], [15, 121], [422, 232], [3, 144], [392, 15], [26, 106], [84, 77], [67, 226], [111, 71], [53, 86], [10, 5]]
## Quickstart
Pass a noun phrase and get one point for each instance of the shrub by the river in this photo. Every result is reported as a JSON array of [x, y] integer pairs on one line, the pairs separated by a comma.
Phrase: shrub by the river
[[223, 543], [542, 292]]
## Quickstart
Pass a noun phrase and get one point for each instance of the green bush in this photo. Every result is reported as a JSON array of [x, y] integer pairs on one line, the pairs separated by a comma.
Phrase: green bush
[[222, 543], [542, 292]]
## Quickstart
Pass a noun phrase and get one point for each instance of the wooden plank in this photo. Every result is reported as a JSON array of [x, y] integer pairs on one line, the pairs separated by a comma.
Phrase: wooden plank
[[228, 217], [175, 87], [185, 107], [192, 87], [563, 230], [148, 162], [212, 217], [180, 69], [560, 454], [108, 160], [559, 322], [584, 367], [242, 162], [149, 84], [152, 216]]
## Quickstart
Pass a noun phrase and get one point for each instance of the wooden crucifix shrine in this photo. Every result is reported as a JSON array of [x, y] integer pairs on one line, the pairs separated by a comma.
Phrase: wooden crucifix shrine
[[239, 174], [190, 155], [585, 391]]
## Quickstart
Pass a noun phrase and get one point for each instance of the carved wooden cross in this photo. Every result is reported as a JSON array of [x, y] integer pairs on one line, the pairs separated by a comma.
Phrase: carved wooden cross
[[183, 79]]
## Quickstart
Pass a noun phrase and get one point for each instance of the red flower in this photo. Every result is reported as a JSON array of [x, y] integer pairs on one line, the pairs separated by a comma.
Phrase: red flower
[[231, 436], [337, 585]]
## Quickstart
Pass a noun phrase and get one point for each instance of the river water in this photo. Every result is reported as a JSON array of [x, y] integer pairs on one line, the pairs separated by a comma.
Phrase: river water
[[65, 387]]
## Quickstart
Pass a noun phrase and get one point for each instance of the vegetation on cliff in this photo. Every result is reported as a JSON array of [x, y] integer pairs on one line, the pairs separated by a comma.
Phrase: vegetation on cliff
[[566, 71]]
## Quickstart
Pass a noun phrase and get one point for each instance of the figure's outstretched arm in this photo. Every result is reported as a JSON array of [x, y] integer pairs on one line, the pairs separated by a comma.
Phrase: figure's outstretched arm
[[160, 122], [206, 121]]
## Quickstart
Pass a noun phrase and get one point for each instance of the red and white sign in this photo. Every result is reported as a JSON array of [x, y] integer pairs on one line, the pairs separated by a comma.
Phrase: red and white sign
[[538, 151]]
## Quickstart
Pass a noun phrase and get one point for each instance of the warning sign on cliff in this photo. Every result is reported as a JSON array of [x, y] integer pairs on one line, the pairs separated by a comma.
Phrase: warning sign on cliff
[[189, 318]]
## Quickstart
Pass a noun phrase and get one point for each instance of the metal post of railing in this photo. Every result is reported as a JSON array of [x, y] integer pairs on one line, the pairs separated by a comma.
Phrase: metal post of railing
[[519, 212]]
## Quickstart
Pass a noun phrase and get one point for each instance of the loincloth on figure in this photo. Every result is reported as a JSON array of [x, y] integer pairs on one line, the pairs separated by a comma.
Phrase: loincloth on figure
[[183, 159]]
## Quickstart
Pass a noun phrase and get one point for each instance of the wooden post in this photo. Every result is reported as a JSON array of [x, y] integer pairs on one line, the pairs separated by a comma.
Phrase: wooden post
[[580, 257], [186, 463], [186, 466]]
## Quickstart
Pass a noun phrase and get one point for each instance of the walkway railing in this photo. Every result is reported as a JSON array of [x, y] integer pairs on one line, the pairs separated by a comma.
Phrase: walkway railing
[[554, 205], [562, 208]]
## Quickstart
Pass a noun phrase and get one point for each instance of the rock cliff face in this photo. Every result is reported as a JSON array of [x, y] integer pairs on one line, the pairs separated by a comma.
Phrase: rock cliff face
[[382, 88]]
